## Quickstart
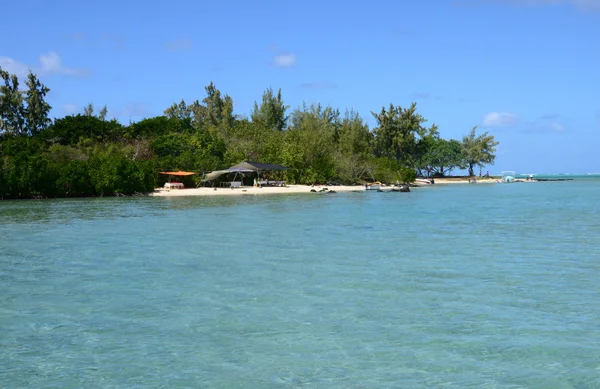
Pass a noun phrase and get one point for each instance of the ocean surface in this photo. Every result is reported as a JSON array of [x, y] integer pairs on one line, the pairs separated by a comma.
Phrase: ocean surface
[[449, 286]]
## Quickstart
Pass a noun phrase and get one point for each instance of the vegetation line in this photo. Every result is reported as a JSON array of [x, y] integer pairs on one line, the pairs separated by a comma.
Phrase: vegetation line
[[89, 155]]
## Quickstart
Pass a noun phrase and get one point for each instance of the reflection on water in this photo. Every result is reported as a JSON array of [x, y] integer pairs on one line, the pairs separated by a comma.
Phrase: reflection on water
[[67, 210]]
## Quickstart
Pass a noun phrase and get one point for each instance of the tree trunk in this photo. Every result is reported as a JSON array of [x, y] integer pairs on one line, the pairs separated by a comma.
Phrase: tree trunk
[[471, 173]]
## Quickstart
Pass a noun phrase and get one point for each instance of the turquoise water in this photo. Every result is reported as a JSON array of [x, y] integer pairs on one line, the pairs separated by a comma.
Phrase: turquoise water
[[456, 286], [562, 176]]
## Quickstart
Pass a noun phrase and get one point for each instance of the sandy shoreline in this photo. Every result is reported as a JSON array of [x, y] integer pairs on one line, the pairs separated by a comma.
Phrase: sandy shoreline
[[464, 180], [295, 189], [480, 180], [249, 190]]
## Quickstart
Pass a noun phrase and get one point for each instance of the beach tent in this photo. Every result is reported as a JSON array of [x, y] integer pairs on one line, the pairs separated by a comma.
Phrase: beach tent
[[214, 175], [218, 173], [178, 173], [256, 166], [241, 168]]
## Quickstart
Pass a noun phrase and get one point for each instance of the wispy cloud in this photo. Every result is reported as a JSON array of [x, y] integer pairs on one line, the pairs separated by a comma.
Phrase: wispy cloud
[[50, 64], [14, 67], [284, 60], [318, 85], [499, 119], [180, 45], [550, 123], [545, 126]]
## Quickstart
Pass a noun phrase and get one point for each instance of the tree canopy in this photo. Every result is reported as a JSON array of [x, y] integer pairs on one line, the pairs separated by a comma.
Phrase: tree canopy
[[87, 154], [479, 150]]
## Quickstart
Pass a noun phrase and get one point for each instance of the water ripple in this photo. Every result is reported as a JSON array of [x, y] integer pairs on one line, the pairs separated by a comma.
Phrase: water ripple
[[489, 286]]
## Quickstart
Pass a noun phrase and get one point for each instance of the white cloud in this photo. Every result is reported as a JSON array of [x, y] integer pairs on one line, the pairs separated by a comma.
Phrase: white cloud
[[50, 64], [499, 119], [284, 60], [555, 126], [70, 109], [14, 67]]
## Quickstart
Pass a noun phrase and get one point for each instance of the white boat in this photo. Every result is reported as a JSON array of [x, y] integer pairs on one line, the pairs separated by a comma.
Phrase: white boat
[[373, 186], [423, 181], [508, 176]]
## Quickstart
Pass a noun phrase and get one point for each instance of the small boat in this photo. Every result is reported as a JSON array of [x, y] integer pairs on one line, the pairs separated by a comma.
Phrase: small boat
[[508, 176], [423, 181], [373, 186], [400, 188]]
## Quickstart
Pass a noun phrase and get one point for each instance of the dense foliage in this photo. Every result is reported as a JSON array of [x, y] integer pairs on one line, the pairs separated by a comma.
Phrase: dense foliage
[[89, 155]]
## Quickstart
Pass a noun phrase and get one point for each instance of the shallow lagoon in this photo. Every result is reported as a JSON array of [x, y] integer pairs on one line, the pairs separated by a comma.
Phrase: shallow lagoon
[[456, 286]]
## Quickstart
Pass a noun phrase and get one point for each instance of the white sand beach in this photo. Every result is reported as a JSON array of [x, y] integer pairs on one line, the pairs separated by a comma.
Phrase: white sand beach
[[294, 189], [249, 190], [480, 180], [465, 180]]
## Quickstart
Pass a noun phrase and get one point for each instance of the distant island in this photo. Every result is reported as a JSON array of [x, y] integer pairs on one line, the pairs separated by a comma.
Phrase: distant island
[[89, 154]]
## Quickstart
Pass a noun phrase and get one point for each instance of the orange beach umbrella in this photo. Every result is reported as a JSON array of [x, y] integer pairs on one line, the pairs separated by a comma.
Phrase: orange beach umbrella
[[178, 173]]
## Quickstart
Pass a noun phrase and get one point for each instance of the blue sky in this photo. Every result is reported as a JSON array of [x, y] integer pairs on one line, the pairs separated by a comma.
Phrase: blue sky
[[526, 71]]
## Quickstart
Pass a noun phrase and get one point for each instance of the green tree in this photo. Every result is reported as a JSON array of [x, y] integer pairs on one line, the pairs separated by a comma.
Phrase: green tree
[[157, 126], [389, 170], [309, 145], [251, 141], [441, 156], [178, 111], [88, 110], [398, 131], [12, 110], [214, 110], [354, 137], [354, 149], [228, 118], [70, 129], [271, 112], [36, 113], [478, 150], [102, 114], [214, 104]]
